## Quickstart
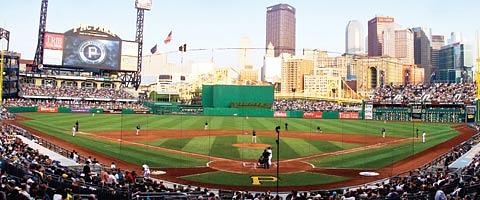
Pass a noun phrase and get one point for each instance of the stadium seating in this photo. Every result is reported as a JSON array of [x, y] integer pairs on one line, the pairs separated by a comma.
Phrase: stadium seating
[[28, 90], [434, 93]]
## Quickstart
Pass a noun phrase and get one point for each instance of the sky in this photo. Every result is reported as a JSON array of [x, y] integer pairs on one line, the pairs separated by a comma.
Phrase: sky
[[221, 23]]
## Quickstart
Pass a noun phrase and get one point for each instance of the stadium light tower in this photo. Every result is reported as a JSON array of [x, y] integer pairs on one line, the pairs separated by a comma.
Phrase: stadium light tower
[[141, 6], [38, 60]]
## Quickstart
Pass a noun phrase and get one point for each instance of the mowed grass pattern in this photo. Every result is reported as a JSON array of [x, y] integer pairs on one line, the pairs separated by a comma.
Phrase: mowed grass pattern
[[378, 158], [109, 122], [295, 179], [222, 146]]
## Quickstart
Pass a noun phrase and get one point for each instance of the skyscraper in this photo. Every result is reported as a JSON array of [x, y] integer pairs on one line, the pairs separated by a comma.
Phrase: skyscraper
[[404, 46], [354, 38], [437, 42], [452, 63], [376, 30], [281, 28], [244, 51], [422, 51]]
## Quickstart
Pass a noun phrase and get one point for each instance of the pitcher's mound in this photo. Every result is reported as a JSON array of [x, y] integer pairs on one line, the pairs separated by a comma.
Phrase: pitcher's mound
[[251, 145]]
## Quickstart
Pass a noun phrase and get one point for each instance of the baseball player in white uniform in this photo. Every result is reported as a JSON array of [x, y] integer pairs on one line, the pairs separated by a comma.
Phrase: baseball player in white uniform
[[423, 137], [74, 131], [269, 150]]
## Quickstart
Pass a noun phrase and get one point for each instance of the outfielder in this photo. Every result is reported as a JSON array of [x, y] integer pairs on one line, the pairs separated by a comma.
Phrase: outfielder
[[206, 126], [254, 137], [423, 137], [138, 129], [383, 132]]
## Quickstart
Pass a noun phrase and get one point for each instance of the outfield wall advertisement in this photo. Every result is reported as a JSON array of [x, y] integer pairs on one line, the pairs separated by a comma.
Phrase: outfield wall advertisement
[[312, 115], [349, 115], [368, 111], [280, 114], [42, 109]]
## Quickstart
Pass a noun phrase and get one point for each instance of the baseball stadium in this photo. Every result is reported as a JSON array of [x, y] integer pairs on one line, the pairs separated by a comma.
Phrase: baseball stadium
[[78, 122]]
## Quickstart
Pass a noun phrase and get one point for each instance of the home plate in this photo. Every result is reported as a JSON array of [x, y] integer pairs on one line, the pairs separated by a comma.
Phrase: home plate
[[369, 173], [158, 172]]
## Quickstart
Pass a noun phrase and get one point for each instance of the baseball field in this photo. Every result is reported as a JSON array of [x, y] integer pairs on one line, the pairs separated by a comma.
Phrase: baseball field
[[224, 156]]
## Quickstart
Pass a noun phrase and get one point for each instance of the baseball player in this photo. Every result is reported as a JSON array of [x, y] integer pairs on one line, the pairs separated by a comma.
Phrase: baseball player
[[286, 126], [383, 132], [74, 131], [76, 125], [319, 130], [417, 132], [206, 126], [254, 136], [138, 129], [423, 137], [269, 150]]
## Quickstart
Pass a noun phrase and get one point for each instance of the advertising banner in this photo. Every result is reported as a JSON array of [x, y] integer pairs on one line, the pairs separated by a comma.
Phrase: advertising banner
[[91, 52], [348, 115], [280, 114], [47, 109], [471, 111], [368, 111], [312, 115], [53, 41], [53, 49]]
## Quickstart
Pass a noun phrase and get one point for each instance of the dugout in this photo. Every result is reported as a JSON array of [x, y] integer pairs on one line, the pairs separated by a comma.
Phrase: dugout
[[238, 100]]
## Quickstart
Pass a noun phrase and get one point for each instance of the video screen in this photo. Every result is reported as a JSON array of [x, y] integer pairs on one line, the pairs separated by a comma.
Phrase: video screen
[[92, 52]]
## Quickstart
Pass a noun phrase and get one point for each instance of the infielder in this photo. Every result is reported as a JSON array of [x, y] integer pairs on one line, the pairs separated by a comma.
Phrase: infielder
[[138, 129], [254, 137], [423, 137], [74, 131]]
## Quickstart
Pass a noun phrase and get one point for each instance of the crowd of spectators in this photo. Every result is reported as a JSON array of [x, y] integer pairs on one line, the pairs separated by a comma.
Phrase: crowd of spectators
[[105, 105], [313, 105], [64, 91], [432, 93], [27, 174]]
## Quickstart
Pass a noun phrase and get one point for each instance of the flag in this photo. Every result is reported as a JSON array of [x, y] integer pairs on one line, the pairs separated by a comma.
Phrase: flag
[[154, 49], [168, 39]]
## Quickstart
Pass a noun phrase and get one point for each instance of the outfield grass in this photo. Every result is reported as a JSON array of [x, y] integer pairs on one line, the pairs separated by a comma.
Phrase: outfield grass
[[378, 158], [59, 125], [221, 146], [295, 179], [129, 153], [109, 122]]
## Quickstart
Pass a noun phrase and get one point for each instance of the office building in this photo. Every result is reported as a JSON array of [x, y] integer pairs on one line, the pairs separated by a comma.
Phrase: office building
[[354, 38], [404, 46], [423, 52], [377, 27], [293, 71], [453, 67], [281, 28]]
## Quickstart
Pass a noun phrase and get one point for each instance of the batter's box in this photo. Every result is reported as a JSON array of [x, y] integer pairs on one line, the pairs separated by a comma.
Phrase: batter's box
[[255, 165]]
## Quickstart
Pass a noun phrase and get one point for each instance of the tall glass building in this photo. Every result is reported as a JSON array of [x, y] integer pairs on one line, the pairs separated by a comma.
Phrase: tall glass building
[[354, 38], [281, 28], [453, 67]]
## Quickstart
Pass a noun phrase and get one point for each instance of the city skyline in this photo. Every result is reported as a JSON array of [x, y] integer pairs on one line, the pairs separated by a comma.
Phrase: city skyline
[[186, 25]]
